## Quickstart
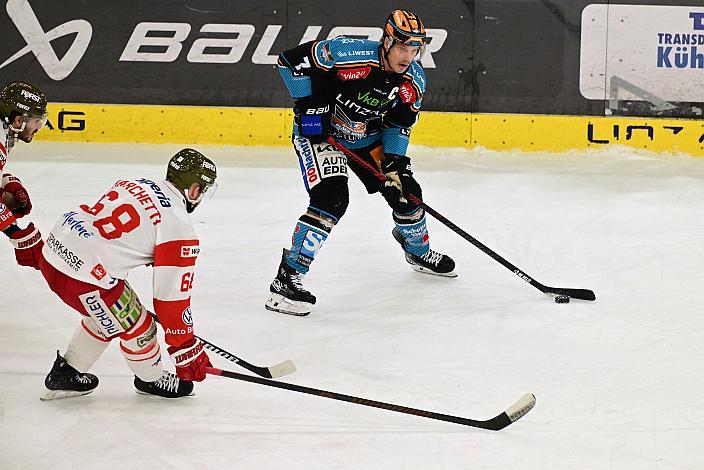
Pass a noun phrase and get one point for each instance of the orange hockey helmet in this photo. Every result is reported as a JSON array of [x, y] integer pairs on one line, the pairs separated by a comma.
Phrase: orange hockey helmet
[[405, 27]]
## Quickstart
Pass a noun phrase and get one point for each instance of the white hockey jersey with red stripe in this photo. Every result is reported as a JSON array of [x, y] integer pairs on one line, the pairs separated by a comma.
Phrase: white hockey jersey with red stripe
[[136, 222], [6, 143]]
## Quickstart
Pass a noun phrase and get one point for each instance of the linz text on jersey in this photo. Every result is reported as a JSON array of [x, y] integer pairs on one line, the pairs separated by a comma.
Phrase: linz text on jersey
[[356, 106], [142, 197]]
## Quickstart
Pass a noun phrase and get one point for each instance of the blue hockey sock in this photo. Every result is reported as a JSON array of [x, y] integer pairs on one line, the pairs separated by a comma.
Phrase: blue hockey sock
[[417, 240], [311, 231]]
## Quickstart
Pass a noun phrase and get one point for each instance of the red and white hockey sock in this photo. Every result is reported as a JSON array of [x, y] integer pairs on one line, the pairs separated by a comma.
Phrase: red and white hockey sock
[[141, 350], [86, 346]]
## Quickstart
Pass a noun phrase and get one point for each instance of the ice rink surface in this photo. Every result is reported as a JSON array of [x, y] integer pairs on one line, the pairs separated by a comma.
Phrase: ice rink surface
[[618, 381]]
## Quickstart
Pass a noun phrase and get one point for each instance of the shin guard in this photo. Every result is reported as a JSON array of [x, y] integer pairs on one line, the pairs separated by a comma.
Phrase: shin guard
[[140, 348], [86, 345], [308, 237], [414, 230]]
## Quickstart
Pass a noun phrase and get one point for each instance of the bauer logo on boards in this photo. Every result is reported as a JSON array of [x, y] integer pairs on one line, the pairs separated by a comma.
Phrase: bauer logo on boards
[[39, 41]]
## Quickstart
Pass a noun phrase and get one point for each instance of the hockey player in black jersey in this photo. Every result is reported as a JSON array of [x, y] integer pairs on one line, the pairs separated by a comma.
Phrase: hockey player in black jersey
[[367, 95]]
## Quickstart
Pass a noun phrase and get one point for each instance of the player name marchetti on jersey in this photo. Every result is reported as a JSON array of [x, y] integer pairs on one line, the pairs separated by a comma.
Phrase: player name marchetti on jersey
[[144, 198]]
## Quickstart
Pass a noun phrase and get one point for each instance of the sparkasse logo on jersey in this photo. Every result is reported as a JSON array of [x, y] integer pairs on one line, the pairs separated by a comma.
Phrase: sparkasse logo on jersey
[[39, 41]]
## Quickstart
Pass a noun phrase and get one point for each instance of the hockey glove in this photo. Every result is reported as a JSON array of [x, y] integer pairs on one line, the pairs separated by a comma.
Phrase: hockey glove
[[312, 115], [14, 186], [28, 245], [7, 218], [190, 359], [399, 182]]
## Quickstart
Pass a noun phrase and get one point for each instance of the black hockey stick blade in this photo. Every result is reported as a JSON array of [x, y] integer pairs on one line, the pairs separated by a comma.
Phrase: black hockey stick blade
[[511, 415], [272, 372], [581, 294]]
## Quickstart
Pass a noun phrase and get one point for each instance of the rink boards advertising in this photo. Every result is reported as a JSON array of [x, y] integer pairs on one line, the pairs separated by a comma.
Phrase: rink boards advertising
[[532, 75]]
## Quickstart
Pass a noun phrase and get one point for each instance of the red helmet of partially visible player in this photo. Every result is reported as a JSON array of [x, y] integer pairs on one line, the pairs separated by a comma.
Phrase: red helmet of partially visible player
[[405, 27]]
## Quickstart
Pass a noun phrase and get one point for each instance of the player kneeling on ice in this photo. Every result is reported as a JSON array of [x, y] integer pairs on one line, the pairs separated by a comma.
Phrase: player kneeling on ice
[[367, 95], [86, 259]]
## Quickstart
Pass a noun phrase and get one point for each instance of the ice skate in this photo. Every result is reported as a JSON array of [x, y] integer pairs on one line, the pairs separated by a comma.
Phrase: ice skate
[[287, 293], [63, 381], [431, 263], [168, 386]]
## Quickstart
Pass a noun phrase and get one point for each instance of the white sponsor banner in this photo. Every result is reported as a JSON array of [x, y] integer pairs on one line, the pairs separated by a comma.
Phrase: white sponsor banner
[[640, 52]]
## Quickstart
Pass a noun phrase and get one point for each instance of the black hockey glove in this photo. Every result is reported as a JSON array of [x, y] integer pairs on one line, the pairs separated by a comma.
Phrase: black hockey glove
[[312, 115], [400, 182]]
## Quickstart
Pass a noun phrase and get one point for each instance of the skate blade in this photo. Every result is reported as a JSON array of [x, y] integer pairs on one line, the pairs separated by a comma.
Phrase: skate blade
[[139, 392], [421, 269], [279, 303], [59, 394]]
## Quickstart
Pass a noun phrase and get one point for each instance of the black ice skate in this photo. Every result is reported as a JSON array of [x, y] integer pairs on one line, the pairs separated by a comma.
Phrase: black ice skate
[[64, 381], [168, 386], [287, 293], [431, 263]]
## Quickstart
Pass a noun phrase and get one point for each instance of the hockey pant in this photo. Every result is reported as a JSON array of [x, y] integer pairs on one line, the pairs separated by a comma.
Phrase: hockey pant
[[325, 174], [107, 314]]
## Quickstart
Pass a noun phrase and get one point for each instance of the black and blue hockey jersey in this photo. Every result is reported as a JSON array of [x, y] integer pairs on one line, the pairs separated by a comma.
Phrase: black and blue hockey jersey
[[368, 103]]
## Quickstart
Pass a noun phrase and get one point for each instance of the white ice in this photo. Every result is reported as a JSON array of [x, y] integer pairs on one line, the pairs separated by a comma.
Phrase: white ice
[[618, 381]]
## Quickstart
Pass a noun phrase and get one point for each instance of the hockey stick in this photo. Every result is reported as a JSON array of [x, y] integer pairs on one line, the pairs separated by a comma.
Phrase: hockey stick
[[272, 372], [582, 294], [498, 422]]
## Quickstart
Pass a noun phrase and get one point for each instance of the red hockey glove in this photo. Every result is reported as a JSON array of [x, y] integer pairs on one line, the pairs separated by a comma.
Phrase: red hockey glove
[[190, 359], [28, 245], [12, 185]]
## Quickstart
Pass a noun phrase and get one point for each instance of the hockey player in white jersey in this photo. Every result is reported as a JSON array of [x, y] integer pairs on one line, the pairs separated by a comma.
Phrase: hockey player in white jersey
[[86, 259], [23, 114]]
